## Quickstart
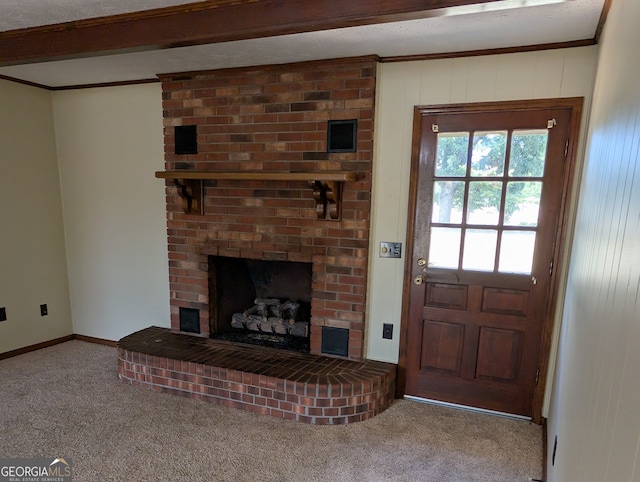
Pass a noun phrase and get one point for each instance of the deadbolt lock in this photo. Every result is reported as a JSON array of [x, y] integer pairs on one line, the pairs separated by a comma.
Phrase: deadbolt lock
[[422, 262], [418, 279]]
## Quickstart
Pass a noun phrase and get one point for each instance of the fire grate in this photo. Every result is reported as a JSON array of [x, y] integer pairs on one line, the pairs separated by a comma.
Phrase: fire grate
[[270, 340]]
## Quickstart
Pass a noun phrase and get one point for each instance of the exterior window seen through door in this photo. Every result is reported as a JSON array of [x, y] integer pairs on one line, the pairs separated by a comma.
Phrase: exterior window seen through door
[[486, 196]]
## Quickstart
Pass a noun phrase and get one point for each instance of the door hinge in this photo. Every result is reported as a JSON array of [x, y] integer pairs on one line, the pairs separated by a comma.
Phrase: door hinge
[[550, 268], [537, 375], [566, 148]]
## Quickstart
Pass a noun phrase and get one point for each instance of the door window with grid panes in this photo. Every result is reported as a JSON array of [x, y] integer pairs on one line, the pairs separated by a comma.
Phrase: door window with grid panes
[[486, 197]]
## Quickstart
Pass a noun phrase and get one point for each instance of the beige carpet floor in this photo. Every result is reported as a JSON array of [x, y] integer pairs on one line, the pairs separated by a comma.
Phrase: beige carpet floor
[[66, 401]]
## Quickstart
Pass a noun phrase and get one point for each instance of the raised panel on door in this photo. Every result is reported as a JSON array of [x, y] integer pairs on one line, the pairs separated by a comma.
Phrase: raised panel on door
[[449, 296], [442, 345], [499, 354], [505, 301]]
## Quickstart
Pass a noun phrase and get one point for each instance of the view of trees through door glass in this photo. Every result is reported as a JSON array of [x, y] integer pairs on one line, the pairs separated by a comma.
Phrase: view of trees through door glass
[[486, 196]]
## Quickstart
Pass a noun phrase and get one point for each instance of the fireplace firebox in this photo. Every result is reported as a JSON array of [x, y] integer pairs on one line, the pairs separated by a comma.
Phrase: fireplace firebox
[[260, 302]]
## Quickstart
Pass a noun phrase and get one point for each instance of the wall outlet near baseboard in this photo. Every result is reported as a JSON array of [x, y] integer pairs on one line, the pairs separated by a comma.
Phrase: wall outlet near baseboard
[[387, 331], [43, 310]]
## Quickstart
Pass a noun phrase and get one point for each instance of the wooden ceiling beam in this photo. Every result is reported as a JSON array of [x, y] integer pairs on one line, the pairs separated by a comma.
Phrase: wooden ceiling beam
[[205, 22]]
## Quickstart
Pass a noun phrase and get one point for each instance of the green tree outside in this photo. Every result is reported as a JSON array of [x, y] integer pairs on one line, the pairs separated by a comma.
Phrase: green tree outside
[[528, 152]]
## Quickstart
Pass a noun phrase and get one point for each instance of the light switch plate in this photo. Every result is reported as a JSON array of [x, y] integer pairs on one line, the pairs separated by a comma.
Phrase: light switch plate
[[390, 250]]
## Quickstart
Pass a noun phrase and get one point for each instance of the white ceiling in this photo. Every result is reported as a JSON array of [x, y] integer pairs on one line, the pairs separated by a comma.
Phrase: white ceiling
[[562, 22]]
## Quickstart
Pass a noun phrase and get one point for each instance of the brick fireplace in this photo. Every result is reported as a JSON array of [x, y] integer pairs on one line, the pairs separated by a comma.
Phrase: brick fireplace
[[271, 120], [252, 184]]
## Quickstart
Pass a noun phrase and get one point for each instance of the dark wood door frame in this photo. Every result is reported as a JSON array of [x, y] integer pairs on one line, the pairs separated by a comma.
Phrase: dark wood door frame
[[573, 103]]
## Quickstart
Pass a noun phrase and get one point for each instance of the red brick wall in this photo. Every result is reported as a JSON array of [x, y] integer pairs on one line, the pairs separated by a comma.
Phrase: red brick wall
[[273, 119]]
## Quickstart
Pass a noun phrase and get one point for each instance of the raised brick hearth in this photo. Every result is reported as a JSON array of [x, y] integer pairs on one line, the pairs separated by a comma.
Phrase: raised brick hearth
[[307, 388], [273, 119]]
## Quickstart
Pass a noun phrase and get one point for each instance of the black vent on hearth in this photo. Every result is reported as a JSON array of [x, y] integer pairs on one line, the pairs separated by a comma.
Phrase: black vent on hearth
[[190, 320], [335, 341], [186, 139]]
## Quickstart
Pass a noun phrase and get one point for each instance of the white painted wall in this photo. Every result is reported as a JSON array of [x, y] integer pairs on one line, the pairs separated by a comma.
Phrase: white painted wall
[[596, 394], [109, 144], [400, 87], [32, 255]]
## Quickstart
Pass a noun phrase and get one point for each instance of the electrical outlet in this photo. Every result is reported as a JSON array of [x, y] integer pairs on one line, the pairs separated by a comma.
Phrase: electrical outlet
[[387, 331], [43, 310], [3, 314]]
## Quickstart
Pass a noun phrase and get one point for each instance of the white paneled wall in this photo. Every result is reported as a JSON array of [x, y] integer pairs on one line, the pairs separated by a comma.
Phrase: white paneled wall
[[400, 87], [596, 394]]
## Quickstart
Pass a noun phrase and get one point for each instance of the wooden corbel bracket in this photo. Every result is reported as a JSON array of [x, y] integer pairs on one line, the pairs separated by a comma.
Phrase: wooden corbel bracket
[[327, 195], [192, 193]]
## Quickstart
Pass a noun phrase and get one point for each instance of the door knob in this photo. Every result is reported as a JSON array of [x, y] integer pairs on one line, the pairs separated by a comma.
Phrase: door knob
[[418, 279]]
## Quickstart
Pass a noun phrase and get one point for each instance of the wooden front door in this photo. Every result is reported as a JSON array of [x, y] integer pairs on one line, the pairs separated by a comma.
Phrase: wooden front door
[[486, 202]]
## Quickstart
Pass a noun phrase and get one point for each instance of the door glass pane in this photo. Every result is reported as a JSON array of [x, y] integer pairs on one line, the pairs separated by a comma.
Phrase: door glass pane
[[444, 248], [528, 152], [448, 197], [522, 203], [479, 249], [516, 252], [484, 202], [487, 158], [453, 148]]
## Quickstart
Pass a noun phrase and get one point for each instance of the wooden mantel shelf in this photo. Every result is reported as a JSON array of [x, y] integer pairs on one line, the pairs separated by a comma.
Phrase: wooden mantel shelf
[[337, 176], [326, 185]]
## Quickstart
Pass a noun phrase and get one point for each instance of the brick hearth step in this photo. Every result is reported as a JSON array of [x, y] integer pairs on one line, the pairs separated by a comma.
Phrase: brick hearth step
[[308, 388]]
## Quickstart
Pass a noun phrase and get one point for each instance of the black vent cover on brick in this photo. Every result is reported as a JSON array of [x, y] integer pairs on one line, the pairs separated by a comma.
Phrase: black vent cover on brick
[[335, 341], [186, 139], [190, 320], [341, 135]]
